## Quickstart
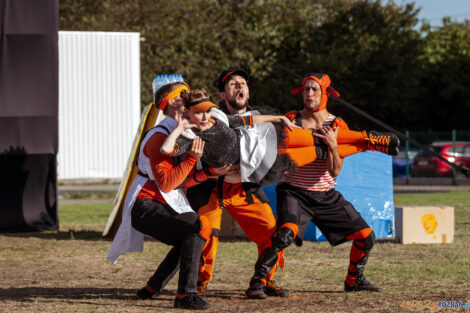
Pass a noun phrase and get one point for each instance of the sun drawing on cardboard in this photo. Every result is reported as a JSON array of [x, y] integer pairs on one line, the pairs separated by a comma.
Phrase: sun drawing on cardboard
[[429, 223]]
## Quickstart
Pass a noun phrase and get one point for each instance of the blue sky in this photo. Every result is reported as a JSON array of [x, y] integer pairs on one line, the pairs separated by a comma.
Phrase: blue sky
[[435, 10]]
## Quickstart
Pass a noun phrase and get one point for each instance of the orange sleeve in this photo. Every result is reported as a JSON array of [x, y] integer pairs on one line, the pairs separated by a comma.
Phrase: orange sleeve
[[339, 122], [195, 178], [166, 175], [291, 115]]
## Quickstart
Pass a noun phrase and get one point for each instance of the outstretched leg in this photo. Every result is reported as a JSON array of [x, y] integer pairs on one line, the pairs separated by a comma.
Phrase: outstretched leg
[[312, 147], [269, 258], [363, 241], [164, 273]]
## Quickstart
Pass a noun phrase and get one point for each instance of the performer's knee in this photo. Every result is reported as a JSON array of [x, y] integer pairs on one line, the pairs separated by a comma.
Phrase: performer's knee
[[206, 227], [369, 241], [285, 236]]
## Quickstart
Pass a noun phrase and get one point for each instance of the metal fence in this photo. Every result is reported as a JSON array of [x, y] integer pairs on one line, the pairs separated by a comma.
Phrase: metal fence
[[427, 138]]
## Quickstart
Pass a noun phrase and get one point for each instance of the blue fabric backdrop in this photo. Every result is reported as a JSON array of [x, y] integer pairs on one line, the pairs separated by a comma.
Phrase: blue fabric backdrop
[[366, 181]]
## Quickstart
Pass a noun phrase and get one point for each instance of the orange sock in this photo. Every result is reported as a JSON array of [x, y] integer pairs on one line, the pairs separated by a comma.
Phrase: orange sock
[[300, 156], [150, 289], [182, 295], [355, 256], [350, 136], [298, 137], [345, 150]]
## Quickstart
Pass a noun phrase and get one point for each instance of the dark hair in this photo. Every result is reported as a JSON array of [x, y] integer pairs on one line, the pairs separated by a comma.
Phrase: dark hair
[[193, 95], [164, 91]]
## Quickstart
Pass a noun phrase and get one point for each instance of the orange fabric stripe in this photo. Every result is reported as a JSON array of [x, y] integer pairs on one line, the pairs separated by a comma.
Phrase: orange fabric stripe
[[362, 234], [182, 295], [225, 77], [206, 228], [356, 255], [280, 263], [292, 226], [175, 93], [244, 121], [176, 149], [150, 289]]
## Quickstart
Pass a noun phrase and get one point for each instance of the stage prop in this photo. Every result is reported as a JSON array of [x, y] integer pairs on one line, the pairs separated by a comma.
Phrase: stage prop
[[366, 181], [28, 114]]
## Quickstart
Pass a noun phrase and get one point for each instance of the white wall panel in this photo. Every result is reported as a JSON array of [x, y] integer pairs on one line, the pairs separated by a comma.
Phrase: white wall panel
[[99, 102]]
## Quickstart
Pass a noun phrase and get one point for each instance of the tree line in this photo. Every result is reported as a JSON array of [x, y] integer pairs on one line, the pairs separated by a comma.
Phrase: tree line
[[376, 56]]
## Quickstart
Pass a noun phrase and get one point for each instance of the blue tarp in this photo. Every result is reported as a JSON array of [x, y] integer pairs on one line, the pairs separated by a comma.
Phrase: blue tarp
[[366, 181]]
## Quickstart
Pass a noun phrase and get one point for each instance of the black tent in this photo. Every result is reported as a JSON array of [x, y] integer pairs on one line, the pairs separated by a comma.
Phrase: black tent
[[28, 114]]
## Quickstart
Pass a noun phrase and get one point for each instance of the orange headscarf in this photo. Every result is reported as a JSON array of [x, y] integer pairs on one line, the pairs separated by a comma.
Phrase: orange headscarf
[[324, 81], [175, 93]]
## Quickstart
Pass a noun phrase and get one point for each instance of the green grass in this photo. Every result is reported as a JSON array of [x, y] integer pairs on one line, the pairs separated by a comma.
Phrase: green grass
[[459, 199], [66, 271], [86, 213]]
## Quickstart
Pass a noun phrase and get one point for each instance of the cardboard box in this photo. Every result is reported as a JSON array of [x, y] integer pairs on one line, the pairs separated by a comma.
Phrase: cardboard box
[[424, 224]]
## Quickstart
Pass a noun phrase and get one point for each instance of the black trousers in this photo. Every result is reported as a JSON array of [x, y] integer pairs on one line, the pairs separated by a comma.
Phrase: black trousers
[[160, 221], [331, 213]]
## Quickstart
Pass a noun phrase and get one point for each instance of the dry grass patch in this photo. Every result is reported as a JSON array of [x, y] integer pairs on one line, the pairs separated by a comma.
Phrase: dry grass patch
[[67, 271]]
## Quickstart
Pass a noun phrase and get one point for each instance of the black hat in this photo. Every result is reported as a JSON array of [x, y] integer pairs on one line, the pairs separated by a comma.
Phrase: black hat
[[225, 75]]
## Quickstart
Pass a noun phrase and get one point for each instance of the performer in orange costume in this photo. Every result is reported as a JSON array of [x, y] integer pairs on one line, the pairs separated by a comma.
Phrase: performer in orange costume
[[246, 201], [309, 194]]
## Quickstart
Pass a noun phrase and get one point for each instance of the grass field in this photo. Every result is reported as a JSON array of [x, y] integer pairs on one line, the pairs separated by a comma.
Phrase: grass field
[[67, 271]]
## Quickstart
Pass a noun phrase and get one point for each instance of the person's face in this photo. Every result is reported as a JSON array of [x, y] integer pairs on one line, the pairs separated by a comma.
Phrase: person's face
[[236, 92], [177, 103], [311, 95], [200, 119]]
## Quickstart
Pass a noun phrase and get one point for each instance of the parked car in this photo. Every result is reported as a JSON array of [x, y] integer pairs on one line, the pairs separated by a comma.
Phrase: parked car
[[399, 162], [426, 164]]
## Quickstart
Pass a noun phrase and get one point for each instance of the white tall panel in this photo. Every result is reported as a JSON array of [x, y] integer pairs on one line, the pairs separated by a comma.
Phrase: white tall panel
[[99, 102]]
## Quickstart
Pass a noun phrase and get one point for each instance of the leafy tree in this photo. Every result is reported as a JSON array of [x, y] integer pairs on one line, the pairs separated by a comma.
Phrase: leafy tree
[[376, 57], [445, 93]]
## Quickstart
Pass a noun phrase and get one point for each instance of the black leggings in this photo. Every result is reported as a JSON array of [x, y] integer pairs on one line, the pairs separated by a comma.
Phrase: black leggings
[[160, 221]]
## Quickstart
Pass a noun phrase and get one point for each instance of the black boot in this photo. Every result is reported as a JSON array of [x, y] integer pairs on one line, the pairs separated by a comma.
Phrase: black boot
[[383, 142], [144, 294], [191, 302], [273, 290], [361, 284], [256, 289]]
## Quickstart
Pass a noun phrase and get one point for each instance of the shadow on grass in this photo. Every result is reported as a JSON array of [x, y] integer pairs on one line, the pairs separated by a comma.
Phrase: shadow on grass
[[28, 293], [62, 235]]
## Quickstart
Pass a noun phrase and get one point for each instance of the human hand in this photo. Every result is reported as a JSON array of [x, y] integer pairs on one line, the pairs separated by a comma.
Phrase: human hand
[[286, 122], [197, 148], [226, 170], [328, 135], [183, 121], [233, 178]]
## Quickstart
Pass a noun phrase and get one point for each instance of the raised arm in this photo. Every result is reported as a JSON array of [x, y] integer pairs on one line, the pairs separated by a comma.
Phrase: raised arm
[[250, 120], [175, 144], [258, 119]]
